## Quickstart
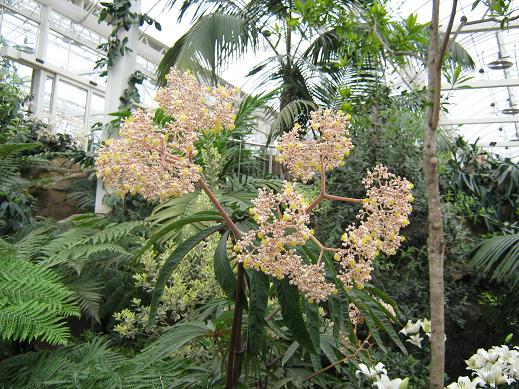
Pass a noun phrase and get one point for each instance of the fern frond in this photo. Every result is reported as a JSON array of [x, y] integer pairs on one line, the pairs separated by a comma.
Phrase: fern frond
[[33, 302]]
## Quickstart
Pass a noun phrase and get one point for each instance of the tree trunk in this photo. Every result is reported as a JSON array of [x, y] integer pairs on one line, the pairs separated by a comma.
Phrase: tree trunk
[[435, 244]]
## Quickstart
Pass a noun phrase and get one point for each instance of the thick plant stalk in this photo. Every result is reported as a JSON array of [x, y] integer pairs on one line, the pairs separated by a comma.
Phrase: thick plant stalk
[[233, 363], [235, 341], [435, 243]]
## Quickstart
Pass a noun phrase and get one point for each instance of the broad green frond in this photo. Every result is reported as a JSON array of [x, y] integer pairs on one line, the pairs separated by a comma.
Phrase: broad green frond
[[288, 115], [211, 43], [170, 341], [498, 257], [33, 302]]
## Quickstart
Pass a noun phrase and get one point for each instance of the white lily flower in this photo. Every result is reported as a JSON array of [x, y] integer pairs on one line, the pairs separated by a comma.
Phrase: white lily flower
[[384, 382], [493, 376], [416, 340], [466, 383], [371, 373], [512, 369], [411, 328], [426, 326]]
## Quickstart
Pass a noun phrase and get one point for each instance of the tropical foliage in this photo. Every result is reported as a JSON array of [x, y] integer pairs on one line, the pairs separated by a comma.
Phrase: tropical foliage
[[156, 293]]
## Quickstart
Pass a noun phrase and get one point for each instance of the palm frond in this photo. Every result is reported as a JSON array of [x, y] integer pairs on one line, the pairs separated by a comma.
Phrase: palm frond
[[210, 44], [498, 257], [288, 116]]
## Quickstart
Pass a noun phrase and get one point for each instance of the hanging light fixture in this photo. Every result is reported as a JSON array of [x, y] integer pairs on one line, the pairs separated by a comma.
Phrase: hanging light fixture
[[510, 111], [500, 64]]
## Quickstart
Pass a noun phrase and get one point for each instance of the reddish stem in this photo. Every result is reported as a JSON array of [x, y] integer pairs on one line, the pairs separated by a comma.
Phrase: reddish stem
[[234, 229], [340, 198]]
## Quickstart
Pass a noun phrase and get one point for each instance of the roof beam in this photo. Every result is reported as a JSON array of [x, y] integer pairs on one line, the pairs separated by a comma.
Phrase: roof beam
[[30, 60], [512, 143], [482, 26], [86, 19], [482, 84], [487, 120]]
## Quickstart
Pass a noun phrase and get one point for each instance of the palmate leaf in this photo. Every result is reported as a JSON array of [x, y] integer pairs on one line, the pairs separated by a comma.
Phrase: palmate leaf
[[498, 257], [210, 44], [288, 115], [171, 262], [33, 303]]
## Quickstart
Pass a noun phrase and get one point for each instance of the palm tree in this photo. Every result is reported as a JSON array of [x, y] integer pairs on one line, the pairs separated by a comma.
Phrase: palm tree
[[302, 61]]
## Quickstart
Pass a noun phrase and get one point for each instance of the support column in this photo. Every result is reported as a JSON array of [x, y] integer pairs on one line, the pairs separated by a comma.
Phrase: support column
[[117, 81], [38, 79]]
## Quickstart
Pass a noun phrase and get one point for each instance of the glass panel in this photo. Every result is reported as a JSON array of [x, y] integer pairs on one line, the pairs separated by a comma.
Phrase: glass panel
[[18, 31], [70, 111], [66, 26], [47, 99], [145, 66], [58, 22], [147, 90], [25, 75], [68, 54], [58, 50], [27, 7], [97, 108]]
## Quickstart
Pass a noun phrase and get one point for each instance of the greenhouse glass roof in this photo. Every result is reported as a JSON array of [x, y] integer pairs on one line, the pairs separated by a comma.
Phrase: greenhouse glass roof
[[477, 113]]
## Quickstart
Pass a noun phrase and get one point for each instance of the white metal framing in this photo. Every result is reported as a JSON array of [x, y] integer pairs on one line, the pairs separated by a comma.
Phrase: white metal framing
[[147, 47]]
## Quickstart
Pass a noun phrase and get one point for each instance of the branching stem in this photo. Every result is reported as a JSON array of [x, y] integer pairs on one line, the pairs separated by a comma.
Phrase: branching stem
[[345, 359], [325, 196]]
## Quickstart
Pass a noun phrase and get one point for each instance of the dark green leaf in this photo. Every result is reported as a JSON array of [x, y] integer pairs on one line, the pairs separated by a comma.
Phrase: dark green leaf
[[173, 260], [222, 270], [288, 296], [259, 292], [169, 342]]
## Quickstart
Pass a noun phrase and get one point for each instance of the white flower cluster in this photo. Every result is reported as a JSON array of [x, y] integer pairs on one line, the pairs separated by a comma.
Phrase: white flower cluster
[[491, 368], [412, 331], [377, 375]]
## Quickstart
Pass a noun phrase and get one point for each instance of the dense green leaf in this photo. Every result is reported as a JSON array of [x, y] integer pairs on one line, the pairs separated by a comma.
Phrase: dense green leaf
[[158, 235], [171, 262], [499, 258]]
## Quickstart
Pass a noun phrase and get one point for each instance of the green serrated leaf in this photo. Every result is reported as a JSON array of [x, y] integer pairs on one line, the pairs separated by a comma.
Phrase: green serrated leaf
[[222, 269], [288, 296], [259, 292], [169, 342], [290, 352], [198, 217]]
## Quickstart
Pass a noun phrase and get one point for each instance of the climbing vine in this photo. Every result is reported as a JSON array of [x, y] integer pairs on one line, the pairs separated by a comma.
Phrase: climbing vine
[[118, 14]]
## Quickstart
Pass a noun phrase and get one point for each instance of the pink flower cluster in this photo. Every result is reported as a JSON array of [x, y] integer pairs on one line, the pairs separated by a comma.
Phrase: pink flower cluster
[[157, 162], [282, 223], [142, 161], [304, 157], [195, 108], [384, 212]]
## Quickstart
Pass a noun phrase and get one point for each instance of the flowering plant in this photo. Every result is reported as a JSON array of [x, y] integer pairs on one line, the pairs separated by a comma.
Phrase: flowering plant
[[156, 160]]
